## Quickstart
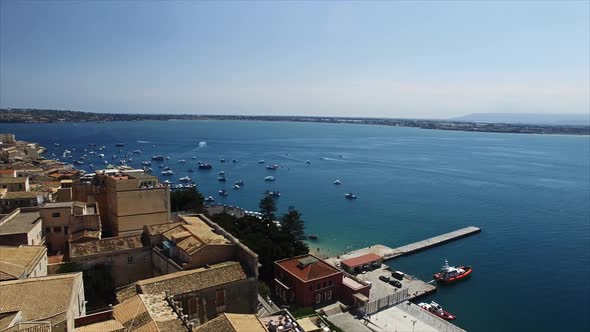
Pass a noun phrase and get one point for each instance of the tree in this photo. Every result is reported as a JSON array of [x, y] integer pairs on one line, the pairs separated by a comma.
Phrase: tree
[[186, 199], [268, 207]]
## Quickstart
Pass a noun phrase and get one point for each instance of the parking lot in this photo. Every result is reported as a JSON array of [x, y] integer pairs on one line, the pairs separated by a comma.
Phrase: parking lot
[[380, 288]]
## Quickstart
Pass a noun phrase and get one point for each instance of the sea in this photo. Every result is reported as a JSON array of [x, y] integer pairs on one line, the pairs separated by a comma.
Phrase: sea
[[530, 195]]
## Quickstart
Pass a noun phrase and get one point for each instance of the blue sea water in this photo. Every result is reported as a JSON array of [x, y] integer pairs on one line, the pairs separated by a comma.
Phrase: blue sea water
[[529, 193]]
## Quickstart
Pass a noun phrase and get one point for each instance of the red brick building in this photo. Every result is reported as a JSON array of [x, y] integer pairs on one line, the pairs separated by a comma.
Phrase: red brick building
[[306, 281]]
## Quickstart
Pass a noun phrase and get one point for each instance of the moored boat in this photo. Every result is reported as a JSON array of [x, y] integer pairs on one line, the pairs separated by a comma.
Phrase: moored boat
[[222, 192], [205, 166], [272, 167], [337, 182], [350, 196], [158, 158], [185, 179], [435, 309], [450, 274], [269, 178]]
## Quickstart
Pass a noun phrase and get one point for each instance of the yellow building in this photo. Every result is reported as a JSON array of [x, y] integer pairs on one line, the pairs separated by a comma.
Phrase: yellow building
[[127, 200]]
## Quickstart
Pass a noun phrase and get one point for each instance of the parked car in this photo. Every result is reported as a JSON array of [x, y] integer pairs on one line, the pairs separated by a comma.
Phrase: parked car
[[395, 283], [384, 278], [398, 275]]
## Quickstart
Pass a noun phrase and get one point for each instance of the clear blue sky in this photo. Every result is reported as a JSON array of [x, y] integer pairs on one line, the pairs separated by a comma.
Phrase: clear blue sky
[[399, 59]]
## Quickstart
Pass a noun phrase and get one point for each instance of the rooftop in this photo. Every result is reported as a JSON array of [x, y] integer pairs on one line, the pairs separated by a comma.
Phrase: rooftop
[[85, 235], [110, 325], [361, 260], [45, 298], [58, 205], [147, 313], [106, 245], [232, 323], [12, 180], [193, 280], [15, 261], [194, 235], [307, 267], [23, 194], [7, 171], [19, 221]]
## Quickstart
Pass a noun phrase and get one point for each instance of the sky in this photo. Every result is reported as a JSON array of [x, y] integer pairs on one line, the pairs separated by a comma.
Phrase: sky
[[412, 59]]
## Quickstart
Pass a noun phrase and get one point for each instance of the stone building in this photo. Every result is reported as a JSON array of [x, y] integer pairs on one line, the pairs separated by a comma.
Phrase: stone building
[[14, 184], [128, 200], [22, 262], [22, 226], [18, 199], [52, 303], [61, 221]]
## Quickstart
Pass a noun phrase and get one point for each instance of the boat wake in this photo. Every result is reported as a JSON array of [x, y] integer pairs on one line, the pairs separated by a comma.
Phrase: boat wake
[[144, 142]]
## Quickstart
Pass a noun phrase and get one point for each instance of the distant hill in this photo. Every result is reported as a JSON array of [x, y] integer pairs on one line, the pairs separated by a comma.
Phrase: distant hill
[[528, 118]]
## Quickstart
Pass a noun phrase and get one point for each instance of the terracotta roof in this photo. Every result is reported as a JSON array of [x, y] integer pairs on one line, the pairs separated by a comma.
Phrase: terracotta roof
[[13, 180], [19, 222], [16, 261], [145, 313], [193, 280], [105, 246], [232, 323], [314, 268], [7, 171], [194, 234], [46, 298], [110, 325], [361, 260]]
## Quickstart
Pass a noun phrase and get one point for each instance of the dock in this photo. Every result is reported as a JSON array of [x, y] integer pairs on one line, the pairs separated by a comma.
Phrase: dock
[[390, 253]]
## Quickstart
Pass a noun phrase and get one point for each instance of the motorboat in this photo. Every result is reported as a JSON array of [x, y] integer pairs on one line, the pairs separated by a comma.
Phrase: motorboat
[[435, 309], [182, 161], [168, 172], [158, 158], [221, 173], [273, 193], [221, 160], [221, 178], [450, 274], [261, 161], [236, 186], [308, 162], [272, 167], [222, 192], [78, 162], [269, 178], [167, 157], [137, 151], [234, 160], [350, 195], [146, 163], [312, 237], [205, 166], [167, 168], [240, 182], [120, 144], [185, 179], [209, 199], [168, 182], [337, 182], [194, 157]]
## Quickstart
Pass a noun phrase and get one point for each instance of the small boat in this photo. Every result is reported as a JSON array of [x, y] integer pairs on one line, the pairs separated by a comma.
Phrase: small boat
[[190, 170], [269, 178], [234, 160], [167, 157], [185, 179], [182, 161], [149, 170], [194, 157], [435, 309], [221, 178], [222, 192], [56, 144], [337, 182], [160, 166], [221, 173], [120, 144], [450, 274], [158, 158], [130, 160], [77, 162], [240, 182], [261, 161], [91, 165], [221, 160], [209, 199], [146, 163], [273, 193], [350, 195], [312, 237], [236, 186], [137, 151], [168, 172], [205, 166], [166, 168], [168, 182], [308, 162], [272, 167]]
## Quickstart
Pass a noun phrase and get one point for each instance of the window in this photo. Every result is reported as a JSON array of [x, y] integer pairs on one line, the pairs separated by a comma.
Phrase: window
[[192, 306], [328, 295], [329, 282], [57, 229], [129, 259], [47, 229], [66, 230], [318, 298], [324, 285], [55, 215], [220, 300], [319, 286]]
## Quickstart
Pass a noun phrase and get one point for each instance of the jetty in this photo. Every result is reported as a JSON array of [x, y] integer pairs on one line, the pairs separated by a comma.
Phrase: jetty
[[390, 253]]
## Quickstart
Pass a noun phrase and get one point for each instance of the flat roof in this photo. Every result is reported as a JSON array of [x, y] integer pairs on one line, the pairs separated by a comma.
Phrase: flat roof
[[361, 260], [108, 245], [313, 267], [58, 205], [22, 194], [19, 222], [11, 180]]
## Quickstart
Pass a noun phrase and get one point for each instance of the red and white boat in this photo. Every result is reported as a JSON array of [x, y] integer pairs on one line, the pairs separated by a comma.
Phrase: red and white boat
[[435, 309], [450, 274]]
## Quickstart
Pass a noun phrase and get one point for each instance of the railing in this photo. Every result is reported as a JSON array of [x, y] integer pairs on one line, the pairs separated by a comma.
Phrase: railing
[[428, 318], [385, 302]]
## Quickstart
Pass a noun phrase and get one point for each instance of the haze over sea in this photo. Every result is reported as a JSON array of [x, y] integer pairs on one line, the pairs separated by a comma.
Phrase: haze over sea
[[529, 193]]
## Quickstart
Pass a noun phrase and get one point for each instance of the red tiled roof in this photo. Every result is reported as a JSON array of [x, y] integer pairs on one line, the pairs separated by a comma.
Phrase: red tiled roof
[[6, 171], [361, 260], [315, 270]]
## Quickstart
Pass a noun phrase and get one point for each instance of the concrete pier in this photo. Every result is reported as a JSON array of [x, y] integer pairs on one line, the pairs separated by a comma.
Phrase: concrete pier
[[390, 253]]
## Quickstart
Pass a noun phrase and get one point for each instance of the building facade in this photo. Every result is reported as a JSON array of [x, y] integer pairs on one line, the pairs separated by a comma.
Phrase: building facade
[[22, 226], [22, 262]]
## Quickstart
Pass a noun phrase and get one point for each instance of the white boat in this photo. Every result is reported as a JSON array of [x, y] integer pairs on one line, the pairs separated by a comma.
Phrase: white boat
[[261, 161], [182, 161], [185, 179], [168, 182], [221, 173], [308, 162], [137, 151], [209, 199], [146, 163], [350, 195], [236, 186], [168, 172], [269, 178], [101, 155], [337, 182]]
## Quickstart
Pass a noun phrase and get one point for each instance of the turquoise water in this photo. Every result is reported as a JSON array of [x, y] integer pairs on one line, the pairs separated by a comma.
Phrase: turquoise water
[[530, 194]]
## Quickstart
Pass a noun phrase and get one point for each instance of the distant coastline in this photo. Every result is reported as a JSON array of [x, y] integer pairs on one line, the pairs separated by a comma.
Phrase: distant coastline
[[14, 115]]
